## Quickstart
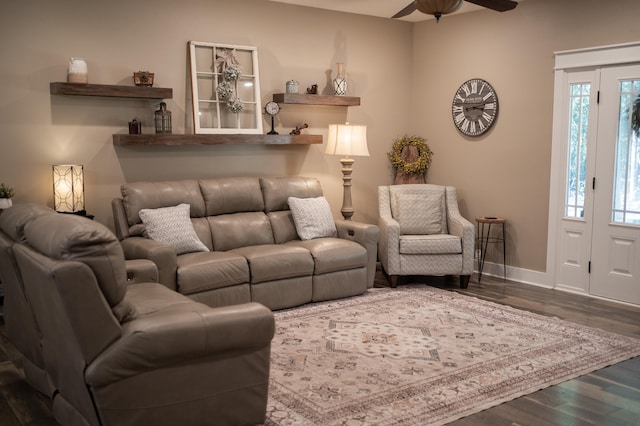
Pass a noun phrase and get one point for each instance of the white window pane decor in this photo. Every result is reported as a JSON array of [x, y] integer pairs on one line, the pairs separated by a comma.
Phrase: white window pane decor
[[225, 88]]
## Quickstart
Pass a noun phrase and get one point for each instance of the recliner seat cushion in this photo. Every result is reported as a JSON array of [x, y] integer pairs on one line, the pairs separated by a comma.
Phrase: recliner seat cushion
[[431, 244], [276, 262], [333, 254], [199, 272]]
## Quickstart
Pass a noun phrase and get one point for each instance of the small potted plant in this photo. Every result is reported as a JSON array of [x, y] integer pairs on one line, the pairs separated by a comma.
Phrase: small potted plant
[[6, 192]]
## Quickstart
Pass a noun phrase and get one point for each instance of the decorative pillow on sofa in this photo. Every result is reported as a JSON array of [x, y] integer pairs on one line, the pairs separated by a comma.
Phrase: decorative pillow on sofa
[[312, 217], [172, 225]]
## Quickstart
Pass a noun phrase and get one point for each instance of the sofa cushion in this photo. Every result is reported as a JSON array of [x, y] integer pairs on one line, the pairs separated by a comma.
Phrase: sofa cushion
[[152, 195], [276, 262], [276, 190], [172, 225], [312, 217], [419, 209], [333, 254], [235, 230], [199, 272], [431, 244], [284, 229], [231, 195]]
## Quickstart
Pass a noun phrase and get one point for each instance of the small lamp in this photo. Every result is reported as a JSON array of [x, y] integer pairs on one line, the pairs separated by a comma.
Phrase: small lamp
[[68, 189], [346, 139]]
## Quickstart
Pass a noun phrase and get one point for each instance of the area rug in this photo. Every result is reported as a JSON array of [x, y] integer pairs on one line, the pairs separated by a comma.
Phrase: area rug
[[419, 355]]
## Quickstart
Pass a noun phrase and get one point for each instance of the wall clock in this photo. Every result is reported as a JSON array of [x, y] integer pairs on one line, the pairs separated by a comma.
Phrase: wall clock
[[474, 107]]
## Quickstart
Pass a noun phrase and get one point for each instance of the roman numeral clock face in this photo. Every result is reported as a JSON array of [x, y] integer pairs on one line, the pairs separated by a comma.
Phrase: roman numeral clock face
[[475, 107]]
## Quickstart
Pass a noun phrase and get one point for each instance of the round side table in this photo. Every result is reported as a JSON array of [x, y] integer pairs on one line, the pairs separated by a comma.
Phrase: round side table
[[484, 237]]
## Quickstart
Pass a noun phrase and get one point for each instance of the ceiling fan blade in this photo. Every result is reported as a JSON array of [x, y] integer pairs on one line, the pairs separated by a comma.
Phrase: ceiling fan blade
[[499, 5], [406, 11]]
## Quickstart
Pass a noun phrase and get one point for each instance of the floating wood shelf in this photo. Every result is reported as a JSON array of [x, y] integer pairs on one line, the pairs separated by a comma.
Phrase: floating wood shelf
[[154, 139], [110, 91], [296, 98]]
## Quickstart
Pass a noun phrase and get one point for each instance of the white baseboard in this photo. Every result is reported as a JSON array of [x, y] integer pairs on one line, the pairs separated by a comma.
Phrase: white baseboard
[[525, 276]]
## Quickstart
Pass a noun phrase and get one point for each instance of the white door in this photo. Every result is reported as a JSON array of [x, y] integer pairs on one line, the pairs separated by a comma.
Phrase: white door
[[615, 259], [580, 115]]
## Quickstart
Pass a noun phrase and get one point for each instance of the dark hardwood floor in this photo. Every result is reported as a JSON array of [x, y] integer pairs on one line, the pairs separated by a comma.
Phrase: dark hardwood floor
[[610, 396]]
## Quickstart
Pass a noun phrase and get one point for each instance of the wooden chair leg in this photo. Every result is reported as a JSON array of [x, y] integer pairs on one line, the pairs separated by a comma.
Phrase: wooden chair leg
[[393, 279], [464, 281]]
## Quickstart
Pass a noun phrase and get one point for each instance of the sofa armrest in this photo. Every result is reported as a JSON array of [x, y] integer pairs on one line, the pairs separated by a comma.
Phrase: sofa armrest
[[367, 236], [182, 333], [163, 255]]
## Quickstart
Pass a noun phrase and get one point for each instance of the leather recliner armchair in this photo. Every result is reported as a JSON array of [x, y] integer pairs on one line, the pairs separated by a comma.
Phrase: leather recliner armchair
[[137, 354]]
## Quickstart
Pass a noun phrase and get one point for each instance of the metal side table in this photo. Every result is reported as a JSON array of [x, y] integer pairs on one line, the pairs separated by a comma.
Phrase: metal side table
[[484, 238]]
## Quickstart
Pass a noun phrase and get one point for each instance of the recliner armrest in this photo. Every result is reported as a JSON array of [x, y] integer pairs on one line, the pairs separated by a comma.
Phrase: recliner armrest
[[367, 236], [181, 333], [163, 255]]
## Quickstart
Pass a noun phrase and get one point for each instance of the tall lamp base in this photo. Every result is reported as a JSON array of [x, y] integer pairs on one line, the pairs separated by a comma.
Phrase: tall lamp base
[[347, 168]]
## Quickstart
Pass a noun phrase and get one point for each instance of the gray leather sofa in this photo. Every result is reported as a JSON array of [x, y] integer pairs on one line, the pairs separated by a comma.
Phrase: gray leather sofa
[[120, 353], [255, 253]]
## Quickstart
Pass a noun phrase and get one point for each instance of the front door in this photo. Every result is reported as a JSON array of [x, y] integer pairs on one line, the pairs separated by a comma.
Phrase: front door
[[615, 259]]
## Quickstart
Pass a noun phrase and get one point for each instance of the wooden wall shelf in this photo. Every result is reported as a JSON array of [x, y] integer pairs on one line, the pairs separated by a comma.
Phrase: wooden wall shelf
[[302, 99], [110, 91], [154, 139]]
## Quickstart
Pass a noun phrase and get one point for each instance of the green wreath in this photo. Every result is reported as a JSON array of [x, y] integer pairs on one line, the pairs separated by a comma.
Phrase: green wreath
[[419, 166]]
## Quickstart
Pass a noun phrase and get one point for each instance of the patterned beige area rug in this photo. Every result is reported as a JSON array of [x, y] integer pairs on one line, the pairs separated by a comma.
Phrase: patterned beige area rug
[[421, 355]]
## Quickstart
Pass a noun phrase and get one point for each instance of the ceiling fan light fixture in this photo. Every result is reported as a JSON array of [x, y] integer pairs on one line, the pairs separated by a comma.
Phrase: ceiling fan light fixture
[[438, 8]]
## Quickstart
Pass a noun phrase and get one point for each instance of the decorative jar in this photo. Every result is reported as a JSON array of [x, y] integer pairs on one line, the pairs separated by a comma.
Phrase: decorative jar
[[77, 71], [292, 86]]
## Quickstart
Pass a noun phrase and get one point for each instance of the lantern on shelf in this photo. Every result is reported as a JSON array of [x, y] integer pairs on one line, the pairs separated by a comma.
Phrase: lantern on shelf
[[163, 119]]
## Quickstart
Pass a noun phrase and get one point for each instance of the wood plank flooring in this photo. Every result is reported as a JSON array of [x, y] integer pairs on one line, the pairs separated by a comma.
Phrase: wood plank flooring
[[610, 396]]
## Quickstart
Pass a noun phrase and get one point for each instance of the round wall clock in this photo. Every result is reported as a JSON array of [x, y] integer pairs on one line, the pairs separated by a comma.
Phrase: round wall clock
[[474, 107]]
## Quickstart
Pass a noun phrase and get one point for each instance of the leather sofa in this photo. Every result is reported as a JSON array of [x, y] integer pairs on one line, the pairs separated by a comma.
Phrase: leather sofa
[[253, 251], [114, 352]]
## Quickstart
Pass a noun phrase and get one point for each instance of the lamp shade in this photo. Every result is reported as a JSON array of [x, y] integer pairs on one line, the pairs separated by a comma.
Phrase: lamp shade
[[347, 139], [68, 188]]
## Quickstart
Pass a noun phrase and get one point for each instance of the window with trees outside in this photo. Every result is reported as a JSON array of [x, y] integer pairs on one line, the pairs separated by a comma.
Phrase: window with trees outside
[[626, 187], [577, 156]]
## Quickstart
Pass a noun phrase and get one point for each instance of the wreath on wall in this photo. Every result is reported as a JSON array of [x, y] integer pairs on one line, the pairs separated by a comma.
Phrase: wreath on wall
[[420, 165]]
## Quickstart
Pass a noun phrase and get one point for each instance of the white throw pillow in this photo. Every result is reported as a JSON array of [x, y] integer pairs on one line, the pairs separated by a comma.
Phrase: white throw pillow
[[172, 225], [312, 217]]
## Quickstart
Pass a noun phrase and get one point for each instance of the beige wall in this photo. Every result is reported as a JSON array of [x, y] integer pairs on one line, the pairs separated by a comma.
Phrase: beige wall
[[406, 76], [506, 171]]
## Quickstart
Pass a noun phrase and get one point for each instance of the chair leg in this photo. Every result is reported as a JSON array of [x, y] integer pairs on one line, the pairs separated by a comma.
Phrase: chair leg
[[393, 280], [464, 281]]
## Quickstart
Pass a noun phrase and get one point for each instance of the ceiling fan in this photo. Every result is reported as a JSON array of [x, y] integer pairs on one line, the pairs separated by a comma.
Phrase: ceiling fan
[[438, 8]]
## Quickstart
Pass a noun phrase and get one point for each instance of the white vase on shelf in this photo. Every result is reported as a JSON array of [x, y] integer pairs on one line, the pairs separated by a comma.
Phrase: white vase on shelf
[[340, 82], [5, 203]]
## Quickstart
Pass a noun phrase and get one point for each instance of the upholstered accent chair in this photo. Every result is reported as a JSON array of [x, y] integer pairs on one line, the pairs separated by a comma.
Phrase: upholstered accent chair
[[423, 233]]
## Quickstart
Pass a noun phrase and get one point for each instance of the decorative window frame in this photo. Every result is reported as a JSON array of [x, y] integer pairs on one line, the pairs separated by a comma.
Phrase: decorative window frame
[[212, 113]]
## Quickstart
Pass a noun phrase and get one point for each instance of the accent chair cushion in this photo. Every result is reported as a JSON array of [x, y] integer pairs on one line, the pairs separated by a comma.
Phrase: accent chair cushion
[[419, 212], [172, 225], [312, 217]]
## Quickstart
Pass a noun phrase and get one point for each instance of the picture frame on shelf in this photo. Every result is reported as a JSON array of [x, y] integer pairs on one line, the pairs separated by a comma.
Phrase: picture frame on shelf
[[225, 88]]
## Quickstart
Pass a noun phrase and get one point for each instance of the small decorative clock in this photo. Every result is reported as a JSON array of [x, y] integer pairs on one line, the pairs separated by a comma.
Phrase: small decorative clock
[[272, 108], [474, 107]]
